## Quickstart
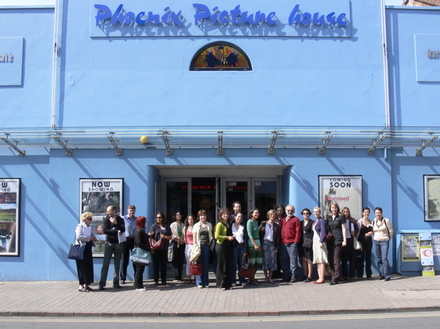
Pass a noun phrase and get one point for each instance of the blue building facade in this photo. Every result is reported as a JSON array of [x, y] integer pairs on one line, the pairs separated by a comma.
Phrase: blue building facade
[[334, 89]]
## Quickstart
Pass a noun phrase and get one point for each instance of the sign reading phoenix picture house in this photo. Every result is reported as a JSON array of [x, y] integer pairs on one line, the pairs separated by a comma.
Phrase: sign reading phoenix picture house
[[96, 195], [345, 190], [9, 216]]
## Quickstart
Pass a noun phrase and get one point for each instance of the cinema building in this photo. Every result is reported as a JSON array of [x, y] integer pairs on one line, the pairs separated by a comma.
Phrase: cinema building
[[181, 106]]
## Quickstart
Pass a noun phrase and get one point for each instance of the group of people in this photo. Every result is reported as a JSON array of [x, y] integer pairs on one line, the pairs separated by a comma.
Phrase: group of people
[[278, 243]]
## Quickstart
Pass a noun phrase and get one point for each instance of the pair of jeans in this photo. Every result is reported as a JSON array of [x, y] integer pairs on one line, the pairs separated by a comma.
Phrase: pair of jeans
[[116, 249], [203, 280], [289, 259], [382, 258], [237, 258]]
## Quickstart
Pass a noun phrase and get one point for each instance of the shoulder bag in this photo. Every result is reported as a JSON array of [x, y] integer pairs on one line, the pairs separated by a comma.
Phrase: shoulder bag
[[140, 257], [76, 252], [156, 245], [195, 253]]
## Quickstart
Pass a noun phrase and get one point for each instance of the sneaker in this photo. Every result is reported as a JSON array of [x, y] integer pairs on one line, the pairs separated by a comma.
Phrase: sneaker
[[233, 285], [200, 287], [141, 289]]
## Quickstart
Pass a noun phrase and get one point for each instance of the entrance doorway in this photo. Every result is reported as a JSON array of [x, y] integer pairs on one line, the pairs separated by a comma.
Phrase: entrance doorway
[[189, 195]]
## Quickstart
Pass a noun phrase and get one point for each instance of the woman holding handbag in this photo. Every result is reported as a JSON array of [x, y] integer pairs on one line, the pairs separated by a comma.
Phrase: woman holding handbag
[[140, 241], [383, 232], [320, 255], [85, 237], [178, 242], [188, 237], [202, 234], [160, 235]]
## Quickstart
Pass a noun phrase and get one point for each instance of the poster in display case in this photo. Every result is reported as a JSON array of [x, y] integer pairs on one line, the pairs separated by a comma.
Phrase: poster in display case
[[9, 216]]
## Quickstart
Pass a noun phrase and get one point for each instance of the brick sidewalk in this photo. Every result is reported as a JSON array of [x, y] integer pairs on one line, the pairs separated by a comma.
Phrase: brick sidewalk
[[61, 298]]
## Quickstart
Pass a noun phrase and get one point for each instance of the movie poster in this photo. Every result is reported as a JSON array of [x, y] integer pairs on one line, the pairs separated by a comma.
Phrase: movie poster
[[9, 216], [410, 248], [345, 190], [96, 195], [432, 198]]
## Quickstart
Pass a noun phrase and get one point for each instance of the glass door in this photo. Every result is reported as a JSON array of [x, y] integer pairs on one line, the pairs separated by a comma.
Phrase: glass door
[[177, 197], [236, 190], [265, 195]]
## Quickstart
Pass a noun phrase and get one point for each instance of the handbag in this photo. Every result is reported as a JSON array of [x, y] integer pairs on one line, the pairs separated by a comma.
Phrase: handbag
[[196, 268], [170, 252], [156, 245], [195, 253], [76, 252], [212, 246], [245, 271], [356, 244], [307, 243], [140, 257]]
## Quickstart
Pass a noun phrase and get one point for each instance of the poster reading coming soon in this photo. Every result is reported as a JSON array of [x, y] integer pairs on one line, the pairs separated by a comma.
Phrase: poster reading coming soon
[[345, 190], [9, 216], [96, 195]]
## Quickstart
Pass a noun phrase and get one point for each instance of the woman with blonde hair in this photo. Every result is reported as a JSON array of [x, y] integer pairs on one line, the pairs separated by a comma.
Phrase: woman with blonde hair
[[85, 237], [320, 253]]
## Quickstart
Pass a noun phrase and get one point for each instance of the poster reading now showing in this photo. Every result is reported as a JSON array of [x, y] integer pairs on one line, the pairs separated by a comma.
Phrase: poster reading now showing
[[96, 195], [226, 18], [427, 48], [345, 190], [9, 216], [11, 61]]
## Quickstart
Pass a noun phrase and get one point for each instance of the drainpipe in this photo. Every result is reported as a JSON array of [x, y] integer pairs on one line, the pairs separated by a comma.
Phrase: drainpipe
[[385, 65], [56, 63]]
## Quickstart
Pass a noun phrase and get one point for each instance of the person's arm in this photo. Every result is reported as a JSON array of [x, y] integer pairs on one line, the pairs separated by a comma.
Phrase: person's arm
[[249, 228], [344, 234], [120, 224], [298, 231], [167, 234], [79, 234], [220, 233], [174, 234], [390, 227]]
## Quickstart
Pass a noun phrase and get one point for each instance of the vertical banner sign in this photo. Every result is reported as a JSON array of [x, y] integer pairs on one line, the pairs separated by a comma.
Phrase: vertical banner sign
[[9, 216], [410, 248], [345, 190], [426, 254], [95, 196]]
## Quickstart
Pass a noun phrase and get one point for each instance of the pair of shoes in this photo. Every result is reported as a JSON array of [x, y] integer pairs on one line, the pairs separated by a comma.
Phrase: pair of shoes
[[222, 289], [255, 282], [141, 289], [350, 280], [123, 281], [369, 278], [293, 280], [101, 288], [332, 283], [164, 284], [270, 281], [387, 279], [266, 280], [360, 278], [381, 277], [307, 280], [117, 286], [233, 285], [318, 282], [88, 288], [200, 287], [243, 284], [285, 280]]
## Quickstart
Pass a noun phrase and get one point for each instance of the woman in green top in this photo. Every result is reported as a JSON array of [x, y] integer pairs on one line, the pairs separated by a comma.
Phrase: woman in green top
[[254, 244], [223, 250]]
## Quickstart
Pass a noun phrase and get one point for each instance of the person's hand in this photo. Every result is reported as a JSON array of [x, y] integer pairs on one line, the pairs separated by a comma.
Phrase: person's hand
[[344, 243], [257, 247], [321, 245]]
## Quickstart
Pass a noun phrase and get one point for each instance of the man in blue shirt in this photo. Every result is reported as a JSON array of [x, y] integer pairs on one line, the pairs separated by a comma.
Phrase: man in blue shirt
[[130, 227]]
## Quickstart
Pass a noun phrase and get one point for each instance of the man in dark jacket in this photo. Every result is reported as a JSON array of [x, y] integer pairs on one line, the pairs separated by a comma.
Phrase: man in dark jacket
[[113, 227]]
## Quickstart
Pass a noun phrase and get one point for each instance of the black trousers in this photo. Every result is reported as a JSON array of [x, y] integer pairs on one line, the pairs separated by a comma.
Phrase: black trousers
[[334, 259], [85, 267], [160, 262], [224, 264], [367, 245], [126, 258], [139, 277], [348, 258], [178, 260]]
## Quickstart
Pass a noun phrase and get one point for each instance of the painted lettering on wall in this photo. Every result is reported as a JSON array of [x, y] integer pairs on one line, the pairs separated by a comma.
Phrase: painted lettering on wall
[[6, 58], [433, 54], [216, 16]]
